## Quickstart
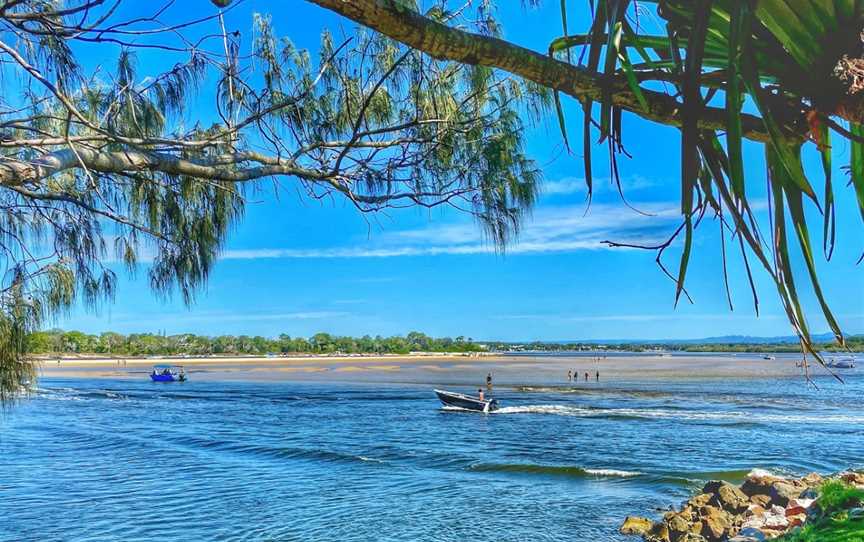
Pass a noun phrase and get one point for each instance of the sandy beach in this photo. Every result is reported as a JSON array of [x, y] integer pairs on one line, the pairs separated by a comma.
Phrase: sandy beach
[[524, 369]]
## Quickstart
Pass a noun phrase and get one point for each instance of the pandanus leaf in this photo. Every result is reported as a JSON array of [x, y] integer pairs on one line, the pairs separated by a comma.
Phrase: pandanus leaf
[[779, 141], [734, 98], [829, 226], [856, 165], [799, 223], [690, 131]]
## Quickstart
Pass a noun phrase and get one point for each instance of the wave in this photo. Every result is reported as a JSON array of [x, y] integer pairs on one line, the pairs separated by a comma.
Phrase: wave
[[736, 417], [552, 470], [273, 452], [677, 478]]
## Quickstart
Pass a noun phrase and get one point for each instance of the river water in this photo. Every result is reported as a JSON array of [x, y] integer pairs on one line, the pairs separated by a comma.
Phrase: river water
[[126, 459]]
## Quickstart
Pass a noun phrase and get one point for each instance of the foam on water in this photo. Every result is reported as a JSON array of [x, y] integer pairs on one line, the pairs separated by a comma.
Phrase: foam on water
[[674, 414]]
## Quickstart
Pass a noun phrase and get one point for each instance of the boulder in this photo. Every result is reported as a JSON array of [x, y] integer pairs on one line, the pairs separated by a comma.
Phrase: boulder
[[796, 520], [754, 522], [635, 525], [748, 534], [730, 498], [658, 533], [813, 479], [759, 482], [761, 500], [714, 522], [776, 520], [782, 492], [797, 507], [754, 510], [854, 478], [678, 524], [809, 493], [699, 500], [692, 537]]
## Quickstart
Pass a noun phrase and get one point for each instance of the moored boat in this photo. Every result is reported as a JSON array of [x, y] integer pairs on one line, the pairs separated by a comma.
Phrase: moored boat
[[168, 373], [465, 402], [842, 363]]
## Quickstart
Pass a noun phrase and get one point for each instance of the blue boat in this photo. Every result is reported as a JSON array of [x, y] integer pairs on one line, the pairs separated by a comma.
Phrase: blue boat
[[168, 373]]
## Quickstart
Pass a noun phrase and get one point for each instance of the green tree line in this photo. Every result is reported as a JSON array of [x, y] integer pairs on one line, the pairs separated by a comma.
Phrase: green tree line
[[854, 343], [58, 341]]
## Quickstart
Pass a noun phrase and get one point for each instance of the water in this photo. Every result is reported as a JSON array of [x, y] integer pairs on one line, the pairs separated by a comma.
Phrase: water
[[281, 461]]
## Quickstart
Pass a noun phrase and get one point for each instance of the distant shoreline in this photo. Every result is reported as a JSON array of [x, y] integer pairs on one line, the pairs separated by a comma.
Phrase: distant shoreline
[[441, 368], [102, 359]]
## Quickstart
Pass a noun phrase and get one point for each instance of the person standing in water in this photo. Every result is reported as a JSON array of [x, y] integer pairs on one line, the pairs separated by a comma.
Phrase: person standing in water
[[597, 376], [489, 380], [569, 376], [586, 376]]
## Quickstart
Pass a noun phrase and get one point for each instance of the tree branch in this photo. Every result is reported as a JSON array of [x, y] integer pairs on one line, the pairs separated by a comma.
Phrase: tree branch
[[219, 168], [440, 41]]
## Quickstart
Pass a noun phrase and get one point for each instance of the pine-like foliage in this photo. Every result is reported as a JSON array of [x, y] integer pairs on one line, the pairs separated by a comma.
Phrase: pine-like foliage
[[115, 165]]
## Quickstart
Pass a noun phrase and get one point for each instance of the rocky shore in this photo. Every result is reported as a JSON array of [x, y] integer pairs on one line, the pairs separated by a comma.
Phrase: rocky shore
[[764, 507]]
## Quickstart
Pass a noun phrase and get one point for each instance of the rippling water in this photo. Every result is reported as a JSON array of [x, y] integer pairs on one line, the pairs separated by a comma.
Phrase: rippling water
[[209, 460]]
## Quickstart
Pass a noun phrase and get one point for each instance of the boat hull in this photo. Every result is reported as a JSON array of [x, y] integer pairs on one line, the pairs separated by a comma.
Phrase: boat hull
[[465, 402]]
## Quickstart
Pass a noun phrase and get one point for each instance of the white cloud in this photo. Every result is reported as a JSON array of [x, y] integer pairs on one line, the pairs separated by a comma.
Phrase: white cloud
[[551, 229], [209, 316], [576, 185], [675, 316]]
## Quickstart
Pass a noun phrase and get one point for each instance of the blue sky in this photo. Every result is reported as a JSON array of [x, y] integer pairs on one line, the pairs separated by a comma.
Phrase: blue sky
[[298, 266]]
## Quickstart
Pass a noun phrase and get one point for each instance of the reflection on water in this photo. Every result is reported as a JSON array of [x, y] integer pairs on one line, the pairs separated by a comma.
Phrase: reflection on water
[[132, 460]]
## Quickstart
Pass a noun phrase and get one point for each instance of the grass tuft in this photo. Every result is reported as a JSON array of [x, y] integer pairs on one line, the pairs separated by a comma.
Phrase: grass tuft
[[834, 523]]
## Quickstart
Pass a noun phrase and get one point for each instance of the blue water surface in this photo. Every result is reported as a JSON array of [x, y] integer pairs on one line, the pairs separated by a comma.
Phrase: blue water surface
[[281, 461]]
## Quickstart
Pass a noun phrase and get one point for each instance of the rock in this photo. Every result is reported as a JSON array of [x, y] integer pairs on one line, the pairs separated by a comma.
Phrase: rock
[[761, 500], [699, 500], [851, 477], [797, 507], [714, 522], [809, 493], [658, 533], [696, 527], [692, 537], [726, 496], [748, 534], [782, 492], [754, 510], [776, 520], [731, 499], [802, 502], [759, 482], [777, 510], [754, 522], [812, 480], [796, 520], [678, 524], [635, 525]]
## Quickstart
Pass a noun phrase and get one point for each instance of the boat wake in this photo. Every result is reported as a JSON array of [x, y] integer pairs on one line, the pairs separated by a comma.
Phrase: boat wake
[[738, 417]]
